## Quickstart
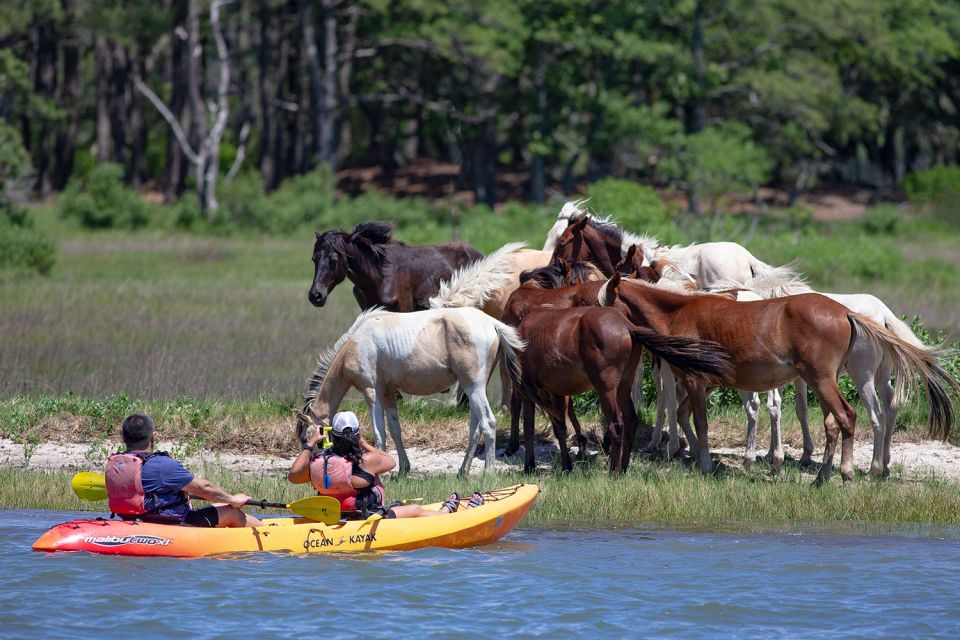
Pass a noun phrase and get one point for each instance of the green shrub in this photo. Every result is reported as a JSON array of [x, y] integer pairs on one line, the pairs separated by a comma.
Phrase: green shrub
[[634, 206], [304, 199], [102, 201], [21, 246], [883, 220], [932, 184], [243, 203]]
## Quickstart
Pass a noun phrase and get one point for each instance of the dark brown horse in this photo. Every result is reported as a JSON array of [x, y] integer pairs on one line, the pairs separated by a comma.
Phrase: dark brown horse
[[593, 240], [570, 351], [771, 342], [386, 273]]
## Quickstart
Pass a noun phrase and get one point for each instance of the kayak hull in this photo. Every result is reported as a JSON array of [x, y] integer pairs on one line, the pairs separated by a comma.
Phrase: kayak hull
[[502, 511]]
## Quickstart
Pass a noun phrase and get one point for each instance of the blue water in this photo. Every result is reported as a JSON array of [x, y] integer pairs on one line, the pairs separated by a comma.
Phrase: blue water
[[551, 583]]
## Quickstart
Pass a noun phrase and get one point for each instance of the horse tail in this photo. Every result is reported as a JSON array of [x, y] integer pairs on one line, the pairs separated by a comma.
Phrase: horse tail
[[775, 282], [702, 358], [937, 381], [474, 284], [511, 344]]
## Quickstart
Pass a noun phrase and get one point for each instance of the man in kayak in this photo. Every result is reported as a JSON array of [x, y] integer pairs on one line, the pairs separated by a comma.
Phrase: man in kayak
[[350, 469], [147, 484]]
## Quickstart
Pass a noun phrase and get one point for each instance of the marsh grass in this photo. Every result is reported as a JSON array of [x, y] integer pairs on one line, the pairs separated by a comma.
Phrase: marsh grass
[[649, 493]]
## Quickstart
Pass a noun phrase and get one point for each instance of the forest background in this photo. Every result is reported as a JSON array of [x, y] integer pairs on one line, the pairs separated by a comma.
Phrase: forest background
[[163, 166]]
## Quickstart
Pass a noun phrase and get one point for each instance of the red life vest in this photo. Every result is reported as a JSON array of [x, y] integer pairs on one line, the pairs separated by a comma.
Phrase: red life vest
[[124, 485], [124, 480], [331, 475]]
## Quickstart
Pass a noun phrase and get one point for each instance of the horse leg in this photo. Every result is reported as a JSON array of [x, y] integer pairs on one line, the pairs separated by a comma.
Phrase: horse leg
[[505, 387], [529, 461], [513, 444], [630, 422], [890, 408], [577, 429], [800, 387], [683, 418], [697, 397], [863, 373], [751, 406], [481, 415], [559, 424], [670, 403], [775, 409], [839, 417], [637, 393], [654, 443], [393, 422], [375, 407], [608, 405]]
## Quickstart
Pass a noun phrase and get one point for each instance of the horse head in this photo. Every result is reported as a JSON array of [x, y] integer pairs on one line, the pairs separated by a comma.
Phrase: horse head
[[571, 245], [329, 265]]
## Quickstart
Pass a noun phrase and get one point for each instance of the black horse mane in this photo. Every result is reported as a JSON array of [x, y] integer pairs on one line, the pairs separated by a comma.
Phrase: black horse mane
[[554, 276]]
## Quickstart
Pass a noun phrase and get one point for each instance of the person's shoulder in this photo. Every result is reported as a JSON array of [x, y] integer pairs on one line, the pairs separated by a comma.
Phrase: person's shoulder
[[161, 459]]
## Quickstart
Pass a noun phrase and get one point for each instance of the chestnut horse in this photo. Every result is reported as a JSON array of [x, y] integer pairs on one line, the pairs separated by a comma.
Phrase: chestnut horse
[[385, 273], [570, 351], [538, 291], [771, 342]]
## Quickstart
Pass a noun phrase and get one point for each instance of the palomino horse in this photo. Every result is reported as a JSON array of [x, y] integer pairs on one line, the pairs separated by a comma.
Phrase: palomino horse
[[419, 353], [771, 342], [384, 273], [537, 292], [487, 283], [571, 350]]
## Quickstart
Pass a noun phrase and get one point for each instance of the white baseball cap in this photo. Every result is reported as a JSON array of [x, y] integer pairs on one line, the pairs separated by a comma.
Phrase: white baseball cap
[[346, 421]]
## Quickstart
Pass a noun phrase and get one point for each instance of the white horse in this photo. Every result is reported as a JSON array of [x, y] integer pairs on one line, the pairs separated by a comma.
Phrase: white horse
[[486, 284], [418, 353]]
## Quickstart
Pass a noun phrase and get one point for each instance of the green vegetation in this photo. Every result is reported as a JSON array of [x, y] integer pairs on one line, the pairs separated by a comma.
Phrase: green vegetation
[[649, 492]]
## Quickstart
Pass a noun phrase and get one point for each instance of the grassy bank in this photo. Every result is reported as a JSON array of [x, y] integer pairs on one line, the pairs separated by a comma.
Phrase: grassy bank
[[649, 493]]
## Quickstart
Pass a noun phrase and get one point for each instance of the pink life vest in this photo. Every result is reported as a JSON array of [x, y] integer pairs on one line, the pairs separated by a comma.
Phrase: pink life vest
[[124, 485], [331, 475]]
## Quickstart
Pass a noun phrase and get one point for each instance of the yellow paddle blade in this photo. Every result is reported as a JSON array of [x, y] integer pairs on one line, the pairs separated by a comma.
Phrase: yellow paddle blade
[[323, 509], [89, 486]]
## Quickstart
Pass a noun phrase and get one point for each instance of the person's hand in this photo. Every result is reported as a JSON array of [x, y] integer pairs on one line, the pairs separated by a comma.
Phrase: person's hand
[[314, 435], [238, 500]]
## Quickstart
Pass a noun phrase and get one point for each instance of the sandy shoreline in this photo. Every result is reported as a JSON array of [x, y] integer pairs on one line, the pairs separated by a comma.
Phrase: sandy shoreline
[[919, 460]]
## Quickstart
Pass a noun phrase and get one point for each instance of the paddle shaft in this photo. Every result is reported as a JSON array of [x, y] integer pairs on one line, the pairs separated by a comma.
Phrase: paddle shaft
[[263, 504]]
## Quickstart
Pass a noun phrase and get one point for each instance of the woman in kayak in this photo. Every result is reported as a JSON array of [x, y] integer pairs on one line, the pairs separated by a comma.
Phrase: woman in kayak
[[350, 469]]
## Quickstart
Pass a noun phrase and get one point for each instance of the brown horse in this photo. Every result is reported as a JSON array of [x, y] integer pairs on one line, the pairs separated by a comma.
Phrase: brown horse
[[771, 342], [570, 351], [385, 273], [548, 286]]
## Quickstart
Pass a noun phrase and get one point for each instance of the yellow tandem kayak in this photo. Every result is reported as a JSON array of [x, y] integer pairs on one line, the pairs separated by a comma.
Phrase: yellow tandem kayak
[[502, 510]]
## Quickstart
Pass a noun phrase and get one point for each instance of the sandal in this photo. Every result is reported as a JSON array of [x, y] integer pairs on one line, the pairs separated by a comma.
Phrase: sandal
[[452, 503], [475, 500]]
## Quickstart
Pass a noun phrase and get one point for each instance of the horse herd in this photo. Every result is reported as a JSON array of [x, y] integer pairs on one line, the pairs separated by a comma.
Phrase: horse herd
[[577, 315]]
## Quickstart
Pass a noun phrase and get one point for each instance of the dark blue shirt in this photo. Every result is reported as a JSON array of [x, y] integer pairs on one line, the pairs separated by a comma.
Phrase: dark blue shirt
[[164, 478]]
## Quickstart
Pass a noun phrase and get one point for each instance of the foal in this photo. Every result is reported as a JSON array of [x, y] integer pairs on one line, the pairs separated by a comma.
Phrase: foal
[[570, 351]]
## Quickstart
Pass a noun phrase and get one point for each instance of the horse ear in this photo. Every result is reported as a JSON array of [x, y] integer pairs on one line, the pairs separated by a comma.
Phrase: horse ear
[[579, 224], [318, 234], [632, 251], [302, 417]]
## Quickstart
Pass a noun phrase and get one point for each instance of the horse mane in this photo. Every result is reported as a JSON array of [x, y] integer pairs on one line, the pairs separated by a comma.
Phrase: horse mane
[[553, 276], [376, 232], [328, 355], [777, 282], [475, 283], [609, 227]]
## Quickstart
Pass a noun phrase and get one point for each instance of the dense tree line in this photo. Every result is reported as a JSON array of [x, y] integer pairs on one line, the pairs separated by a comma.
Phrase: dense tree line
[[708, 95]]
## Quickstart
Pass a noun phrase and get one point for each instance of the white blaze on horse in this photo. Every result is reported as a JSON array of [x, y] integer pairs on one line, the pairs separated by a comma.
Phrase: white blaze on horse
[[418, 353]]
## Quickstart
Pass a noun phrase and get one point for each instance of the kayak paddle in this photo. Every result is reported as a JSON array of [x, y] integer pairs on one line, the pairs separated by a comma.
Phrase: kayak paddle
[[92, 486]]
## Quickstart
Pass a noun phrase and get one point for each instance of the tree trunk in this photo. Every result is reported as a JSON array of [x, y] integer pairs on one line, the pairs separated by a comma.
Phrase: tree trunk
[[268, 45], [198, 125], [45, 80], [695, 107], [104, 66], [175, 174], [70, 103], [538, 186]]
